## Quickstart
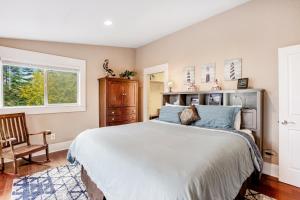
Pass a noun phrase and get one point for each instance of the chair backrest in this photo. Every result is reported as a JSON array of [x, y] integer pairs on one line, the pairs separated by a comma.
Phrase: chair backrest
[[13, 126]]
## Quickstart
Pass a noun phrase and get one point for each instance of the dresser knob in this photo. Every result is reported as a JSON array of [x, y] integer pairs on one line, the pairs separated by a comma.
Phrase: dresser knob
[[112, 119], [112, 112]]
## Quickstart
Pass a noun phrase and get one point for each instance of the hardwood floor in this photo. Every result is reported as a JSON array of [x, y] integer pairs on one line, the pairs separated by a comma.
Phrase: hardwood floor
[[268, 185]]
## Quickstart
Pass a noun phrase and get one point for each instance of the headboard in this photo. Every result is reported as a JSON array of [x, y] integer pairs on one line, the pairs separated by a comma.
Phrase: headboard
[[251, 101]]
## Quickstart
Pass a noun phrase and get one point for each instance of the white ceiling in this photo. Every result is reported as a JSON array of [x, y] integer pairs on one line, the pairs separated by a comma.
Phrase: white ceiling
[[135, 22]]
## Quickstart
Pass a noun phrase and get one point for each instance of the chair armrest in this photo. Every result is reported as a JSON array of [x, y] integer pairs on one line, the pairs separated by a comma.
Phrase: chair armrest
[[47, 132], [10, 140]]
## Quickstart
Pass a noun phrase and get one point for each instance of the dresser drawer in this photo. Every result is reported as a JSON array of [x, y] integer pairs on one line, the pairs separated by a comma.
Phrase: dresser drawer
[[121, 118], [129, 111], [121, 111], [115, 123], [115, 111], [131, 117], [120, 123]]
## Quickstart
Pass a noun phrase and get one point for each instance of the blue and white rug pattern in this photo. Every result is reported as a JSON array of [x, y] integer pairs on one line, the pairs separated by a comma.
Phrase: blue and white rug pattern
[[64, 183], [52, 184]]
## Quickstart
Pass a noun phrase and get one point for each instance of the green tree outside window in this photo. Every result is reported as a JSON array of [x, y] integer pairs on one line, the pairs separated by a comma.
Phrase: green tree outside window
[[24, 86]]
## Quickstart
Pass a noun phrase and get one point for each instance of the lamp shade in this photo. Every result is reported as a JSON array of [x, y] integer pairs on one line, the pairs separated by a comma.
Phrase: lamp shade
[[170, 84]]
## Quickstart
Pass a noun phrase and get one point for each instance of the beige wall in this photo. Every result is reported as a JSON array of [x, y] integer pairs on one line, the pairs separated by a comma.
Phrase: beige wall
[[68, 125], [253, 31]]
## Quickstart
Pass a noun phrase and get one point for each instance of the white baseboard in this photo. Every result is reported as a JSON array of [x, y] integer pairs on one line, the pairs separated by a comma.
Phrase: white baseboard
[[52, 148], [271, 169]]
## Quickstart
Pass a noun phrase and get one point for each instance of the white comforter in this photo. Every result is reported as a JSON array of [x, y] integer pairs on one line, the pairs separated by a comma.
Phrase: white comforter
[[162, 161]]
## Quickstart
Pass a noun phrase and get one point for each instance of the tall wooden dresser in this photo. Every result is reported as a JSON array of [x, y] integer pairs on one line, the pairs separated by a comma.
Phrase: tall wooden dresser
[[118, 101]]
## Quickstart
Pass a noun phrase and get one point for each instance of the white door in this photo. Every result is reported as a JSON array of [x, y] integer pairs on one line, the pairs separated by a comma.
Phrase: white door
[[289, 115]]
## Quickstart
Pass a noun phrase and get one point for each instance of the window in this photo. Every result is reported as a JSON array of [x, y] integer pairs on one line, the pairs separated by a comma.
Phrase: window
[[47, 84], [25, 85], [61, 87], [22, 86]]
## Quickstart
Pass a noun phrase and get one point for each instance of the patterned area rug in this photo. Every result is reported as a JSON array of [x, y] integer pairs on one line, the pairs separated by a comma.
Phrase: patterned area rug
[[52, 184], [64, 183]]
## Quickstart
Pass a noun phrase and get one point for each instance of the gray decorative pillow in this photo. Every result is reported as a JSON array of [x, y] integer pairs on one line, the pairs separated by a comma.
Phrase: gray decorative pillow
[[189, 115], [170, 113], [217, 116]]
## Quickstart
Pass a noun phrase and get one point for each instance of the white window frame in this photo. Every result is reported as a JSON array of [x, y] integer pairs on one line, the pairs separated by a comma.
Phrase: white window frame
[[45, 61]]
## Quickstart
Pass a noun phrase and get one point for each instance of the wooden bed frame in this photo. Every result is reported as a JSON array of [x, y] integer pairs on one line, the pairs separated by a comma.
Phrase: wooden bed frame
[[93, 191]]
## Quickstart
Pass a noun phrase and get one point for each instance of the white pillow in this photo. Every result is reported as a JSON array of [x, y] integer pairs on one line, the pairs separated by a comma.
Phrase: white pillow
[[238, 121]]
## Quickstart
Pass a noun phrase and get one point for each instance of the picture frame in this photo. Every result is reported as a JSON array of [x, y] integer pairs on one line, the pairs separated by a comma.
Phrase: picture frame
[[194, 101], [233, 69], [214, 99], [208, 73], [189, 75], [242, 83]]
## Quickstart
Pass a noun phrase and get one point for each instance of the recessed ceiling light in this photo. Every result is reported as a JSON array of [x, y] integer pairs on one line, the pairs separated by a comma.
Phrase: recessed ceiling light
[[107, 23]]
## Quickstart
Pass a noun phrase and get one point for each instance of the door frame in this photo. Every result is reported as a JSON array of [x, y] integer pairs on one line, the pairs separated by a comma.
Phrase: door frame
[[152, 70]]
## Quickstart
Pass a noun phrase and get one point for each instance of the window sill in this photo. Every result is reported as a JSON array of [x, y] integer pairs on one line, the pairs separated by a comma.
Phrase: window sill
[[32, 110]]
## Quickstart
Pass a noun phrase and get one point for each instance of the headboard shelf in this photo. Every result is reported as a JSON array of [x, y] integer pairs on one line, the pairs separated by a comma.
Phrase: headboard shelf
[[251, 101], [216, 91]]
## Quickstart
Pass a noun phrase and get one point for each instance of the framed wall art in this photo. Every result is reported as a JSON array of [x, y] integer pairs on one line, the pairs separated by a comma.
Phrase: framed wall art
[[208, 73], [242, 83], [233, 69], [189, 75]]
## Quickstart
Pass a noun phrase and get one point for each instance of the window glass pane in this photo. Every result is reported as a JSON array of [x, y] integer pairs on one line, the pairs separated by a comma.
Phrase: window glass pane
[[22, 86], [61, 87]]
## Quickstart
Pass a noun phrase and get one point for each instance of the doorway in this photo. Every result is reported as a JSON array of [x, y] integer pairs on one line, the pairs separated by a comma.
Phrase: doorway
[[155, 83], [156, 88]]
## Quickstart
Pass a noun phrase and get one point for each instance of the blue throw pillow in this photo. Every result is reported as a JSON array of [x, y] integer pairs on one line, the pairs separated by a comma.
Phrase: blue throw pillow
[[170, 113], [216, 116]]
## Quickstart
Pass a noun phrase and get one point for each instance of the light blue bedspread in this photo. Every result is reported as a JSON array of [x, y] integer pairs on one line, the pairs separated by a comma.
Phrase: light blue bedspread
[[164, 161]]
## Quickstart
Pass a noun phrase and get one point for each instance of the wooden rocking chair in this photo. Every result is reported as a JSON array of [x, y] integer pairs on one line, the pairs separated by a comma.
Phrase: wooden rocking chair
[[13, 131]]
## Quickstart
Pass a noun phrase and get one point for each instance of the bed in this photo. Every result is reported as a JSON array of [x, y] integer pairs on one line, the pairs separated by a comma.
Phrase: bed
[[162, 160]]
